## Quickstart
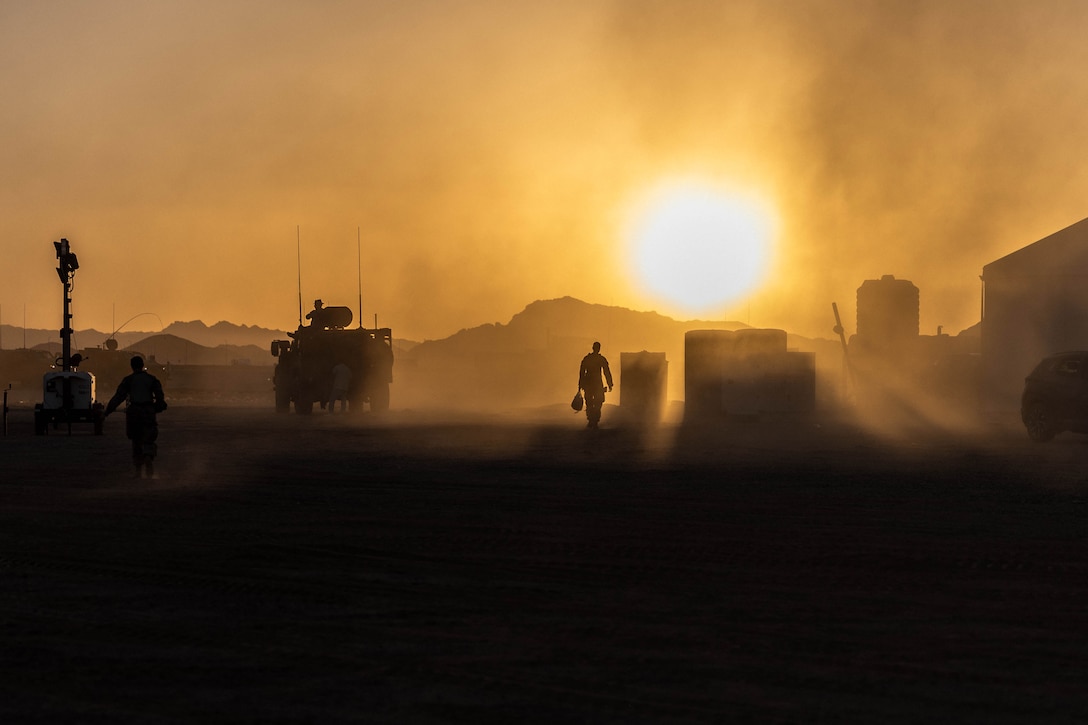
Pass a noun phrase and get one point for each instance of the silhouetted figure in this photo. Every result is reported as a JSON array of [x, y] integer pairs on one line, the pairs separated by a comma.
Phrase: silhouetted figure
[[316, 316], [341, 380], [594, 366], [143, 391]]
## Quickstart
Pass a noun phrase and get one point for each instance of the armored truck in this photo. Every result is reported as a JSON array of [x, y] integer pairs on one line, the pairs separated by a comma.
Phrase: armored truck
[[304, 366]]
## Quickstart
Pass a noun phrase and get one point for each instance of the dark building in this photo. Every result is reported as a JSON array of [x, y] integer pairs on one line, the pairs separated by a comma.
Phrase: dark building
[[1034, 302]]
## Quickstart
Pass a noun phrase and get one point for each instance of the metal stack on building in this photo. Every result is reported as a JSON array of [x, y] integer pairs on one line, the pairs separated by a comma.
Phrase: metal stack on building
[[888, 314]]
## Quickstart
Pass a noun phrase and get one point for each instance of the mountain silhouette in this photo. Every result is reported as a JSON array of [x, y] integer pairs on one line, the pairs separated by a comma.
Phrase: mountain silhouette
[[544, 322], [182, 351], [221, 333], [533, 359], [224, 333]]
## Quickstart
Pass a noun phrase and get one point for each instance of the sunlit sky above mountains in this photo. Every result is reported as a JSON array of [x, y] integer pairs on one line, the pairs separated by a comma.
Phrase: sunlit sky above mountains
[[463, 159]]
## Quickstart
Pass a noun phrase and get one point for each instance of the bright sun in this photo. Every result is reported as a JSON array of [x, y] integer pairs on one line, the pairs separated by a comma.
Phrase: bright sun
[[700, 248]]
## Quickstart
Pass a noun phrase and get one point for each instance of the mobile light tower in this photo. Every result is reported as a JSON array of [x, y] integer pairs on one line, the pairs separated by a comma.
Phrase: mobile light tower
[[68, 394], [66, 270]]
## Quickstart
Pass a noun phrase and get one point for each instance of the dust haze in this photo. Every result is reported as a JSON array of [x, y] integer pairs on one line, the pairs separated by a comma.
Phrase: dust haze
[[869, 544], [469, 158]]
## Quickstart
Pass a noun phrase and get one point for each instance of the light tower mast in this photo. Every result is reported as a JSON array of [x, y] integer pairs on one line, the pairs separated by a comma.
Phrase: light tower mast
[[66, 270]]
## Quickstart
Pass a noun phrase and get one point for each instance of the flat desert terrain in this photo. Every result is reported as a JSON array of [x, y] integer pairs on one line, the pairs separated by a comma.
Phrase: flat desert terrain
[[464, 568]]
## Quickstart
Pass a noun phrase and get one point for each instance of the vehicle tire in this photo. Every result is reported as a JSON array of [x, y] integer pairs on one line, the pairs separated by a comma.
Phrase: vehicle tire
[[41, 423], [379, 397], [304, 407], [1037, 420], [283, 401]]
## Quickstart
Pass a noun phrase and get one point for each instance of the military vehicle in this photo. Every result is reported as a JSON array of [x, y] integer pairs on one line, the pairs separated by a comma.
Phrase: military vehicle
[[303, 373]]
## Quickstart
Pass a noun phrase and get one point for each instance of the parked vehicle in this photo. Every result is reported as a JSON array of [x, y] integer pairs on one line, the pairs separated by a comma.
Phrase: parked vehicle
[[1055, 397], [303, 374]]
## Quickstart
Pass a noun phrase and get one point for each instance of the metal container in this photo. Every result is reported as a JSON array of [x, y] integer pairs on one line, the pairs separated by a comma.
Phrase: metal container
[[643, 385], [705, 353], [887, 314]]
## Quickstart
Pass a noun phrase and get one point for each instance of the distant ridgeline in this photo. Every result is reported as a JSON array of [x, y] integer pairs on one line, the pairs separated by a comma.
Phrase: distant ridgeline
[[537, 352], [540, 349], [241, 354], [221, 333]]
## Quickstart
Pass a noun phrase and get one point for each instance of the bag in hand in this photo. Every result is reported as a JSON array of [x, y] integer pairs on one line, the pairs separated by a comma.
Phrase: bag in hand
[[576, 404]]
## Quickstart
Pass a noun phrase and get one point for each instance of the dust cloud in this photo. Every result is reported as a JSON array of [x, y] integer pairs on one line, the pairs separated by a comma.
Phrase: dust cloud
[[920, 139], [453, 162]]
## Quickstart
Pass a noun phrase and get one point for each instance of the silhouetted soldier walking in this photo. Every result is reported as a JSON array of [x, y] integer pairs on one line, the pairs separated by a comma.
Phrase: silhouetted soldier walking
[[145, 398], [594, 365]]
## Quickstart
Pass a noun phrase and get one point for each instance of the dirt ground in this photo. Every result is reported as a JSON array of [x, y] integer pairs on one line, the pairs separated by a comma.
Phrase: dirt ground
[[458, 568]]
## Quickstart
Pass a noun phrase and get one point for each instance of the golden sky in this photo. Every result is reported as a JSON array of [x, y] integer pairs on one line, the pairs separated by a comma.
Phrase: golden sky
[[489, 153]]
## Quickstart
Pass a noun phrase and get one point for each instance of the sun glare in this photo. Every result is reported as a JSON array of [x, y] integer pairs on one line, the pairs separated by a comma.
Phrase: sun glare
[[699, 247]]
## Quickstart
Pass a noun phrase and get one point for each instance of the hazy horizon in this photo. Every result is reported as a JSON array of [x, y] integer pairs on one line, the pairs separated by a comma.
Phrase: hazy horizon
[[136, 329], [450, 160]]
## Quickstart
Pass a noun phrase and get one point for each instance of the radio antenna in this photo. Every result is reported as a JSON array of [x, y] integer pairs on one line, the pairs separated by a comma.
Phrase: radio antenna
[[359, 256], [298, 254]]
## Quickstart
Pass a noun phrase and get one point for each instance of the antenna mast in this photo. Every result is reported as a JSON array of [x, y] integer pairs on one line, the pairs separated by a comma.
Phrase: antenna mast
[[298, 253], [359, 255]]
